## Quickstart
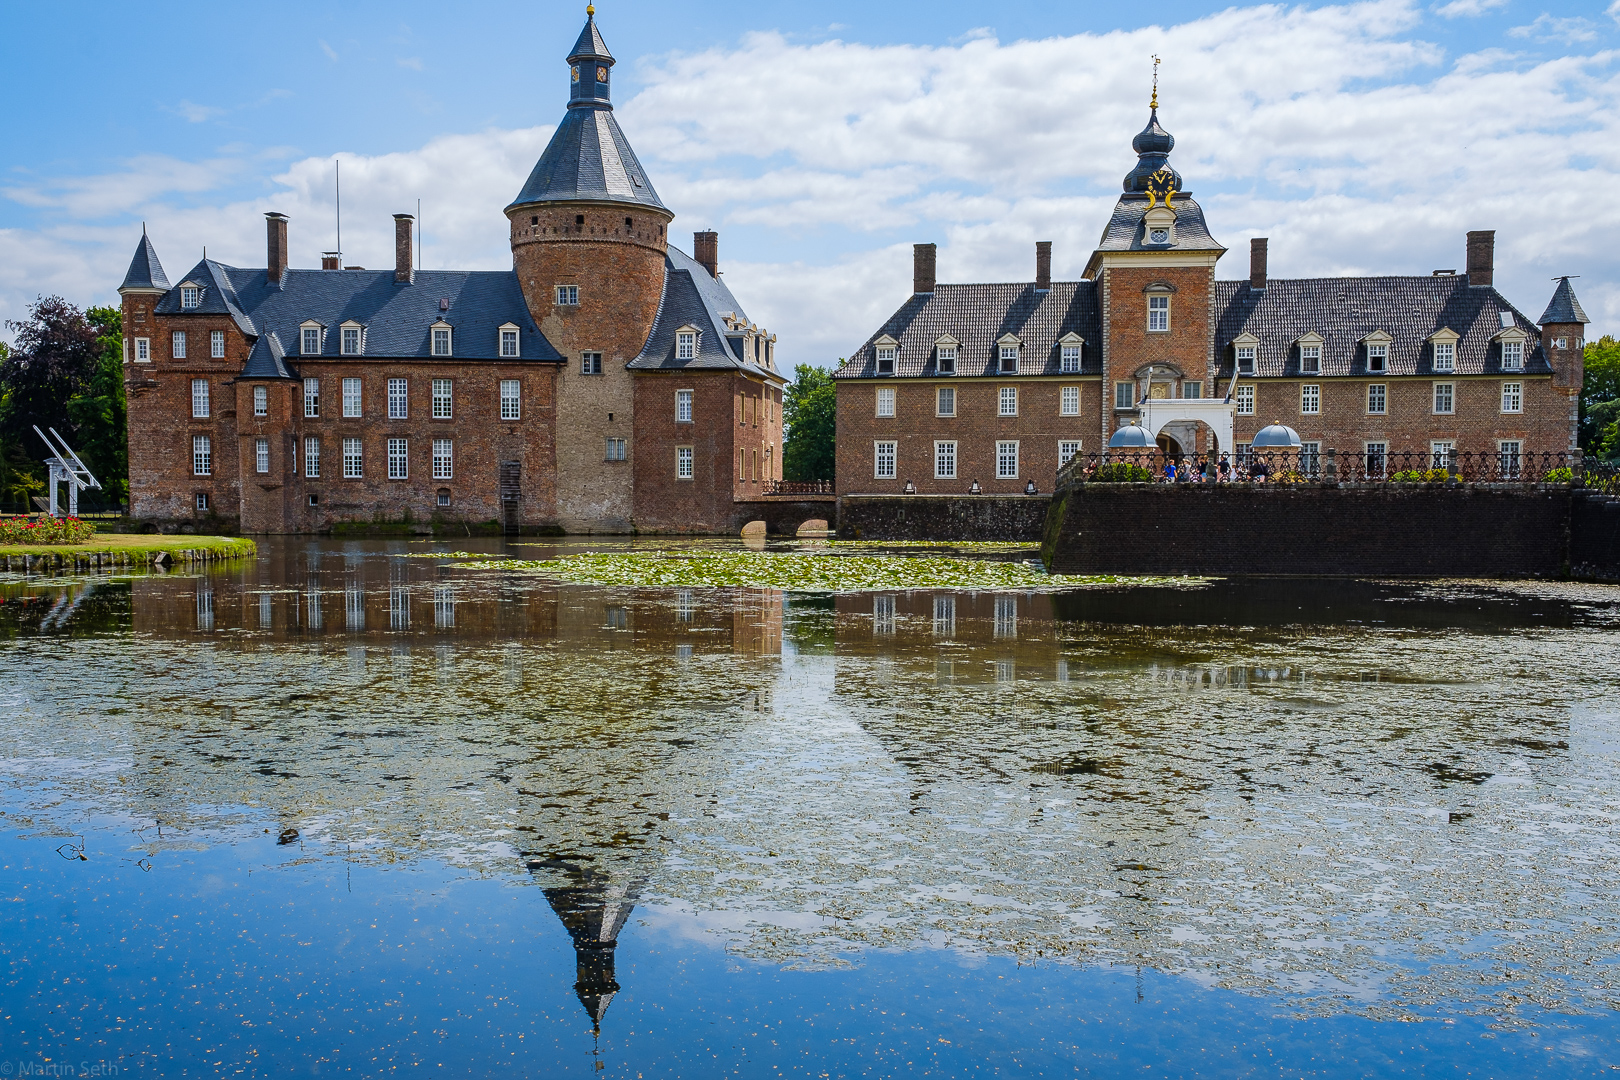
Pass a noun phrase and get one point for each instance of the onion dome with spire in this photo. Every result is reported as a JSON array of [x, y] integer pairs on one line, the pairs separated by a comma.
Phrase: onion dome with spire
[[1152, 145]]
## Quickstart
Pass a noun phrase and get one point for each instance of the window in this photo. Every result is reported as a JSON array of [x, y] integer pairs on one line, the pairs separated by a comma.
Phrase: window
[[311, 341], [441, 341], [1006, 461], [1069, 359], [202, 502], [443, 499], [1009, 360], [944, 615], [1445, 356], [883, 460], [1310, 399], [1243, 455], [1159, 236], [1440, 453], [885, 359], [143, 350], [683, 406], [261, 401], [1310, 458], [396, 399], [398, 459], [1512, 397], [352, 460], [1508, 453], [1445, 397], [351, 397], [509, 342], [1310, 359], [1245, 359], [1124, 395], [312, 458], [568, 295], [945, 401], [1245, 400], [216, 344], [351, 341], [945, 461], [261, 455], [882, 614], [616, 449], [1377, 358], [1512, 356], [1069, 401], [945, 359], [202, 455], [312, 397], [199, 398], [885, 401], [1192, 389], [1068, 449], [190, 296], [178, 344], [511, 400], [1377, 398], [441, 399], [590, 363], [443, 459], [742, 464], [1007, 401], [1377, 454], [683, 463], [686, 346], [1158, 313]]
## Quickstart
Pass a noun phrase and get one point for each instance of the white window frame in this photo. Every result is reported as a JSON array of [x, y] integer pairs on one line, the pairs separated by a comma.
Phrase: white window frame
[[1310, 359], [1382, 457], [1192, 390], [399, 459], [353, 402], [1445, 357], [309, 340], [443, 339], [1377, 358], [590, 363], [1512, 397], [1243, 397], [945, 459], [686, 345], [261, 401], [261, 456], [1125, 394], [351, 340], [1007, 401], [1007, 358], [615, 448], [354, 459], [1310, 457], [1380, 392], [143, 350], [1158, 313], [883, 405], [945, 359], [202, 455], [444, 392], [1007, 459], [200, 405], [1069, 401], [190, 297], [1310, 399], [312, 398], [1445, 398], [1440, 451], [444, 459], [885, 459], [312, 457], [943, 394], [1067, 450], [511, 397], [177, 344], [1070, 357], [885, 358], [567, 295], [509, 341], [1510, 461], [1513, 355], [399, 399], [683, 463], [1246, 355]]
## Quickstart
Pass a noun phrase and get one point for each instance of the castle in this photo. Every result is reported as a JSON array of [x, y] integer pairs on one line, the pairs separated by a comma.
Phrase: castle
[[608, 382]]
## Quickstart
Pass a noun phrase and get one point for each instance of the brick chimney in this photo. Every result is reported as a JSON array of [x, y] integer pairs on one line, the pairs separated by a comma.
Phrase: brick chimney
[[1257, 263], [1482, 257], [922, 267], [404, 253], [706, 250], [329, 260], [276, 247], [1043, 265]]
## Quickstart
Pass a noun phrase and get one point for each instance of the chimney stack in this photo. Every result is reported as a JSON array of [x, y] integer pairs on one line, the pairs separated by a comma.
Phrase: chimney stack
[[1043, 265], [1257, 263], [276, 247], [404, 253], [1482, 257], [922, 268], [329, 260], [706, 250]]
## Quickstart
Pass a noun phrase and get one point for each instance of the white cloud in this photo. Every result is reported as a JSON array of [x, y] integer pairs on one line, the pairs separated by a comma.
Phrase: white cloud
[[1552, 28], [414, 63], [1613, 11], [198, 113], [1469, 8], [331, 54]]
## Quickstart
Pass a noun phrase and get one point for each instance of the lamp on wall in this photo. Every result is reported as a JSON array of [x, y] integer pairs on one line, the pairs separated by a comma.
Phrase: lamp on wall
[[1030, 489], [975, 489], [909, 489]]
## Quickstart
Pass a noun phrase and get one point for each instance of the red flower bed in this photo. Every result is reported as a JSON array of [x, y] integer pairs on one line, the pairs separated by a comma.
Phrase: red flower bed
[[45, 530]]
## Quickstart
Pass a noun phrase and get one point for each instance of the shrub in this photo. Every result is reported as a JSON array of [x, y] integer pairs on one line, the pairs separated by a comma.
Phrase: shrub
[[1121, 472], [45, 530], [1560, 476], [1421, 476]]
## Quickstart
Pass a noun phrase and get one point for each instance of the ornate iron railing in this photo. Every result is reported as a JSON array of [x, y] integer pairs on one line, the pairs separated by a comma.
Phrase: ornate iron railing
[[1330, 466], [799, 487]]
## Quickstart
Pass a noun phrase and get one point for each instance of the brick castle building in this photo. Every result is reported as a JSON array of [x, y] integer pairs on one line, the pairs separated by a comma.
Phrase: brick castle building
[[607, 382], [1000, 384]]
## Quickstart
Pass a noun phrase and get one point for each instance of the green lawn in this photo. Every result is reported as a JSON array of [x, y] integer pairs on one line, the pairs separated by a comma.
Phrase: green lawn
[[140, 543]]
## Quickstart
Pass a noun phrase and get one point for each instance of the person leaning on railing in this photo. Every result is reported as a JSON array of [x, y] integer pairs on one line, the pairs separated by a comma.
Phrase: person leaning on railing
[[1259, 470]]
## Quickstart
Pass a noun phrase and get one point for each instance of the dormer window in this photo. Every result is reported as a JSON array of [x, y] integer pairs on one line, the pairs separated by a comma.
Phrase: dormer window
[[190, 296], [311, 337], [1310, 354], [884, 352], [1070, 349], [1158, 236], [509, 341], [1245, 351], [686, 343], [1007, 350], [945, 355], [1159, 227], [441, 339], [1512, 356], [352, 339], [1377, 358]]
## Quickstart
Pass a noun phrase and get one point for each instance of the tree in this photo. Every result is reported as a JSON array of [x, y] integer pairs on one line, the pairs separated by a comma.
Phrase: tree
[[810, 413], [1600, 397], [98, 417]]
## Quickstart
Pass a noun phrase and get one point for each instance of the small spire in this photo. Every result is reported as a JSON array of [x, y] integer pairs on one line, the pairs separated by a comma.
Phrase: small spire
[[1154, 104]]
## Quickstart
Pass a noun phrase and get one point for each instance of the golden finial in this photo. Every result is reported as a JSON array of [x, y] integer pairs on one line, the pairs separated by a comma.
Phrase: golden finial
[[590, 10], [1154, 104]]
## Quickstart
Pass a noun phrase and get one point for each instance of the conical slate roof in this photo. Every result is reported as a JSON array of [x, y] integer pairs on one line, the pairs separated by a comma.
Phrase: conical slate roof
[[145, 272], [1564, 308], [590, 45]]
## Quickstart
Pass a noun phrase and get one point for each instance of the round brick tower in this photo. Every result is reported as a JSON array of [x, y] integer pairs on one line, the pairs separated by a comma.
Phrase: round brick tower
[[589, 235]]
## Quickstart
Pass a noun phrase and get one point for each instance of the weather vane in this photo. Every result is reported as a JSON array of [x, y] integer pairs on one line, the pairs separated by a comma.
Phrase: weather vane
[[1154, 104]]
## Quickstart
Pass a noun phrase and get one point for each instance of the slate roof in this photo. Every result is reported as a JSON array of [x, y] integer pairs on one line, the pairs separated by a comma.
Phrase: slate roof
[[1564, 308], [977, 315], [145, 272], [396, 317], [590, 45], [268, 360], [1126, 230], [1345, 310], [692, 297], [588, 158]]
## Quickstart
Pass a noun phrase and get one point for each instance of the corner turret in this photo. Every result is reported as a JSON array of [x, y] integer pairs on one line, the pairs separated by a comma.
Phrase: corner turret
[[1563, 334]]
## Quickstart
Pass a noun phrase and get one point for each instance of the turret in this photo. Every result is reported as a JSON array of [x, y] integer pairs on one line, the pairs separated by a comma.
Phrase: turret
[[1563, 333]]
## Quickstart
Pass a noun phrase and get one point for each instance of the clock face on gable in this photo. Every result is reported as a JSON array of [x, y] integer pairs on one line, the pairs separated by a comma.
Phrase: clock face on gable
[[601, 73]]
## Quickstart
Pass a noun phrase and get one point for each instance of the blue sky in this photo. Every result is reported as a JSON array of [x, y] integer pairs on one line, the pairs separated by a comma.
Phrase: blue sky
[[823, 140]]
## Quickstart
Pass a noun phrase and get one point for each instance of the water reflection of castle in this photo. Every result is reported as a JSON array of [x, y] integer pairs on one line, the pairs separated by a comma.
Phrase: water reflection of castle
[[593, 906]]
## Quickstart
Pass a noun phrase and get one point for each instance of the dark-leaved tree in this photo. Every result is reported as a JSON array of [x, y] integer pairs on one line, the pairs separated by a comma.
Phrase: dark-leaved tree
[[1600, 398], [809, 411]]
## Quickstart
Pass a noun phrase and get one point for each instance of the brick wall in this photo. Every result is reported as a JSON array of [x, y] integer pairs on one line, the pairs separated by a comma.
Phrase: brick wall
[[923, 517], [1129, 345], [976, 428], [1594, 537]]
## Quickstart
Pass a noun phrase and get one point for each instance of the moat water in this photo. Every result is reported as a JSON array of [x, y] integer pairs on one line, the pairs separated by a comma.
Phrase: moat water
[[339, 811]]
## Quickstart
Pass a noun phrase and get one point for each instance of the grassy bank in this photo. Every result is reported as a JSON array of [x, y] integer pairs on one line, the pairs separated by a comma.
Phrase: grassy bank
[[138, 547]]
